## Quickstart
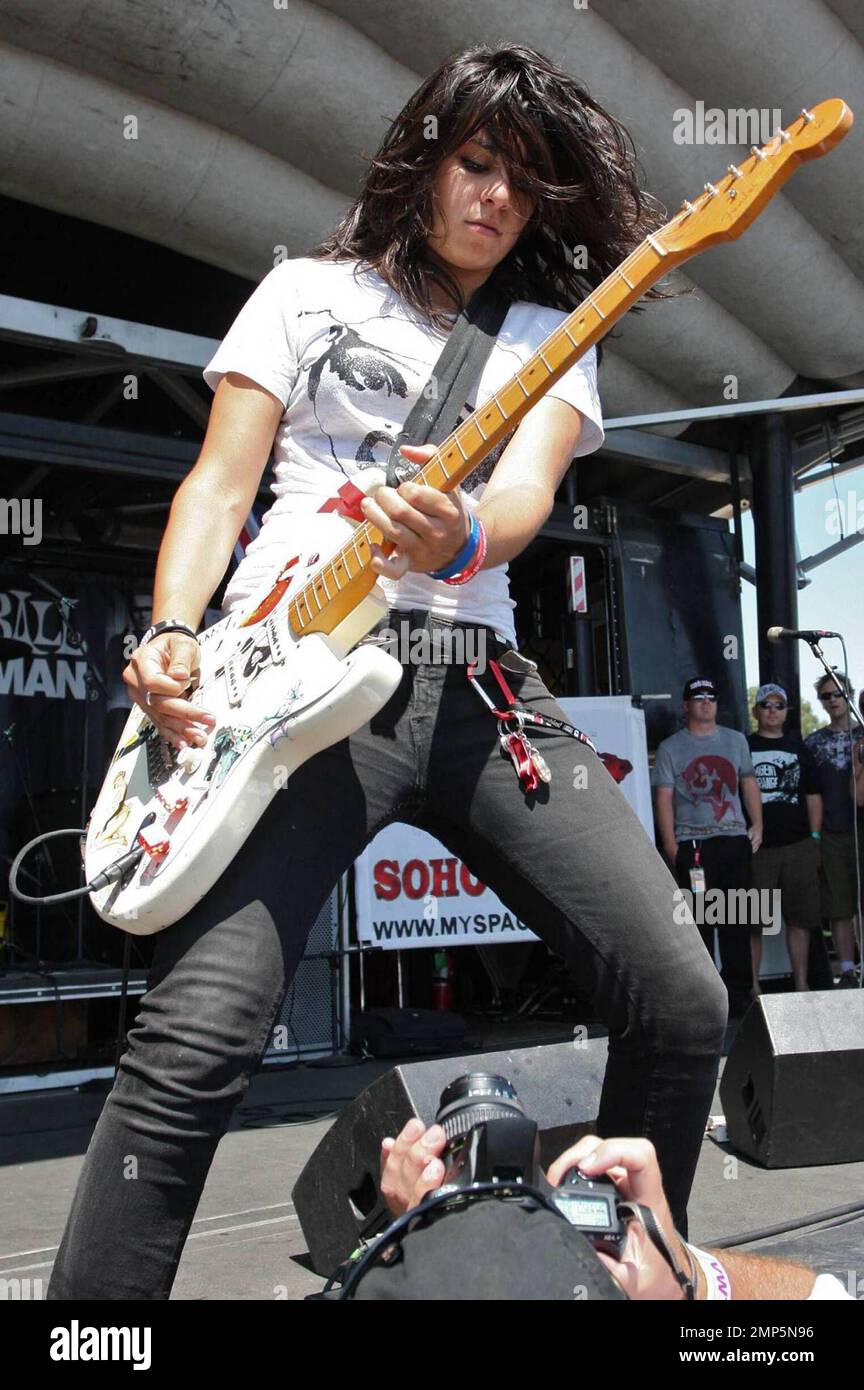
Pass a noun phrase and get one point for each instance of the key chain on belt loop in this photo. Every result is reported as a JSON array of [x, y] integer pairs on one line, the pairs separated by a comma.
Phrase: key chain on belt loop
[[531, 767]]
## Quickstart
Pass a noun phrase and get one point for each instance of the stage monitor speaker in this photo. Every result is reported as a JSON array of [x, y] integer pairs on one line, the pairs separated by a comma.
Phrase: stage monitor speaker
[[337, 1198], [793, 1086]]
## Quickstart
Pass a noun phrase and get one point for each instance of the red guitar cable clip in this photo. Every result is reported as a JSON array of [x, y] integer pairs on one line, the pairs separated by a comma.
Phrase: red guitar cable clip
[[157, 851]]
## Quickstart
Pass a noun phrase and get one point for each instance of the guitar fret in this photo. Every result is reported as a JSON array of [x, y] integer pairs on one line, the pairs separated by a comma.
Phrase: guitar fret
[[324, 582], [439, 459], [356, 551], [661, 251], [479, 428], [627, 282], [598, 309], [501, 410], [459, 447], [543, 360], [569, 335]]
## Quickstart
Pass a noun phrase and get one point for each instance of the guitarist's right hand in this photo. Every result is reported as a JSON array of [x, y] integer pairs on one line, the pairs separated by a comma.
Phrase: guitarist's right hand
[[159, 674]]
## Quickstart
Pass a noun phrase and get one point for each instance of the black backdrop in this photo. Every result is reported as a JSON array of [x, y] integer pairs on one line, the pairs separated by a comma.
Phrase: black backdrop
[[46, 699]]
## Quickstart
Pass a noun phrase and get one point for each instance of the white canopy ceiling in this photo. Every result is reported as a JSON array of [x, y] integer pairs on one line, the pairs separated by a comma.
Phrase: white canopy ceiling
[[249, 120]]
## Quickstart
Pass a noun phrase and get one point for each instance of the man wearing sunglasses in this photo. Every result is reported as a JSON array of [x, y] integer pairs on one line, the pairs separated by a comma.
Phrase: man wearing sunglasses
[[701, 776], [831, 747], [788, 860]]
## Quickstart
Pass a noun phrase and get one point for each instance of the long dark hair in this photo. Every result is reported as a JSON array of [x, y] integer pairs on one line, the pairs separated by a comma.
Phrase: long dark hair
[[579, 165]]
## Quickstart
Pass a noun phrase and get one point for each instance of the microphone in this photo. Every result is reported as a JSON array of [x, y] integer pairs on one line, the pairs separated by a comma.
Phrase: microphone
[[783, 634]]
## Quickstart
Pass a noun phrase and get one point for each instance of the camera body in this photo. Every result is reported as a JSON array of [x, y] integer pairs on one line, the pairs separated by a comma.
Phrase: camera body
[[490, 1139]]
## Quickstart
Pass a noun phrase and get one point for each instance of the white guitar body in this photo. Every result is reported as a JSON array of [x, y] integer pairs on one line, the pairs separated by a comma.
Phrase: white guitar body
[[278, 700]]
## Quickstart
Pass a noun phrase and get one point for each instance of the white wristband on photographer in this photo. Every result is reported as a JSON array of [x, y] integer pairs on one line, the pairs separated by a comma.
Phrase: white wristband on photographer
[[716, 1278]]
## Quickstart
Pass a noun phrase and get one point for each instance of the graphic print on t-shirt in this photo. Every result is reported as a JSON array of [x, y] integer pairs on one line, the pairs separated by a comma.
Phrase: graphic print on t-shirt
[[350, 364], [710, 778], [778, 774]]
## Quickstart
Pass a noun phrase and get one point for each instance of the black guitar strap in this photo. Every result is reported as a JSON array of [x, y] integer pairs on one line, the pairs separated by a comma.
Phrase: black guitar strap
[[455, 375]]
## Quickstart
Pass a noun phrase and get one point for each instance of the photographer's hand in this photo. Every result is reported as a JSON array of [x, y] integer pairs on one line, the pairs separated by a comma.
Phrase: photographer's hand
[[632, 1165], [411, 1166]]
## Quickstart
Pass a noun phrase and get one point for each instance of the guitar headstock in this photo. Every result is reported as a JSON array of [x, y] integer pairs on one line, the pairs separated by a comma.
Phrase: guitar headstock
[[726, 208]]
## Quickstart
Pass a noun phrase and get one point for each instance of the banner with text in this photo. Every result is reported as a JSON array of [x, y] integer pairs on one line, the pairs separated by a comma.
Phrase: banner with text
[[410, 891]]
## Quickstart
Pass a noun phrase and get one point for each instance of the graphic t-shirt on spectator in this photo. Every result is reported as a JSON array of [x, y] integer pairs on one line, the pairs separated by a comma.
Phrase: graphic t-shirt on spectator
[[830, 749], [786, 774], [705, 772]]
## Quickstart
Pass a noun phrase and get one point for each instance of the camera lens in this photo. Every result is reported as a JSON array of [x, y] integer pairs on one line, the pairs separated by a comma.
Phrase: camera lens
[[473, 1099]]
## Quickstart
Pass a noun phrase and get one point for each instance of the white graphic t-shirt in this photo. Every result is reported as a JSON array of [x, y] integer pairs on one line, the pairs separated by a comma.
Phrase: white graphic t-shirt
[[348, 357]]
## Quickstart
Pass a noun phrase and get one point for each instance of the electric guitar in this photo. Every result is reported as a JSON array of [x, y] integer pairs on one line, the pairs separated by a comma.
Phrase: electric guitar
[[285, 678]]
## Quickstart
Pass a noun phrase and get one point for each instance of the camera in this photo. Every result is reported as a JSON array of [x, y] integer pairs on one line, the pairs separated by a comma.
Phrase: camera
[[490, 1140]]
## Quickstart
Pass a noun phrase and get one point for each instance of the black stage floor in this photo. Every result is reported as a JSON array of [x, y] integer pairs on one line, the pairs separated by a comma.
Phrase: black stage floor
[[246, 1242]]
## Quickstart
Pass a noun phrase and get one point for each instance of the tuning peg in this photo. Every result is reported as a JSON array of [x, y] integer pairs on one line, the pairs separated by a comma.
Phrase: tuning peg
[[758, 151], [734, 171], [711, 190], [808, 115]]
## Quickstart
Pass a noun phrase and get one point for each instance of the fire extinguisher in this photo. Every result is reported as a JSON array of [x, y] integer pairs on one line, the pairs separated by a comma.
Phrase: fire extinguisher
[[442, 981]]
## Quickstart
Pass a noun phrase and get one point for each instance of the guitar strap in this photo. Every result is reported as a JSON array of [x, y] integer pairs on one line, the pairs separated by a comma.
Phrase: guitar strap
[[455, 375]]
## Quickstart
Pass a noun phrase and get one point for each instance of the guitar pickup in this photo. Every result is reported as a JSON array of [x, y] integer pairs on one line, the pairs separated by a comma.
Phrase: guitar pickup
[[276, 653]]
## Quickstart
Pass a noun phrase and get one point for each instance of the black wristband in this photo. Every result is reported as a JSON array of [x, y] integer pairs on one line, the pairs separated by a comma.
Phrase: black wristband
[[168, 625]]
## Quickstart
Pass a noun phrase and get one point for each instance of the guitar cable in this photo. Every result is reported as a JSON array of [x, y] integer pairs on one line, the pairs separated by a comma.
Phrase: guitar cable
[[102, 880]]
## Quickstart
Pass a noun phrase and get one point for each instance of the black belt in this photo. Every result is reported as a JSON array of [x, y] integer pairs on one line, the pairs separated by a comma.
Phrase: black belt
[[411, 621]]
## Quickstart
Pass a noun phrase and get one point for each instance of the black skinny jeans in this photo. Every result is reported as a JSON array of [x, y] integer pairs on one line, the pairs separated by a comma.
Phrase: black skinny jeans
[[573, 861]]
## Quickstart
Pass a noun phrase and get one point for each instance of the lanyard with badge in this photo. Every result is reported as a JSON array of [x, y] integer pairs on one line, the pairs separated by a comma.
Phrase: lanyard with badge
[[697, 873]]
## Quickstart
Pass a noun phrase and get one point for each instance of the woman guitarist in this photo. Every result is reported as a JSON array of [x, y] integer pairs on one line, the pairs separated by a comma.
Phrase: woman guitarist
[[500, 162]]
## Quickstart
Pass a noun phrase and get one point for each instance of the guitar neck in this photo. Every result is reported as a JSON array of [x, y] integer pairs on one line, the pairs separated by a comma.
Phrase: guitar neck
[[720, 213], [330, 594]]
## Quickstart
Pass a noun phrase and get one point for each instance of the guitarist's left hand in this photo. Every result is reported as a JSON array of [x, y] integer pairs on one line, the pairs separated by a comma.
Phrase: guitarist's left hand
[[427, 528]]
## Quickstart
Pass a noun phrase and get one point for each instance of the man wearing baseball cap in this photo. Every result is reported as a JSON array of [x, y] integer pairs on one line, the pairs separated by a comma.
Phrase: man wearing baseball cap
[[701, 776], [788, 859]]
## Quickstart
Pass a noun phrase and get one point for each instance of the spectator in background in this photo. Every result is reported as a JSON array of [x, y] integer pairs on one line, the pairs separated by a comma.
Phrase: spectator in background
[[831, 748], [788, 859], [701, 776]]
